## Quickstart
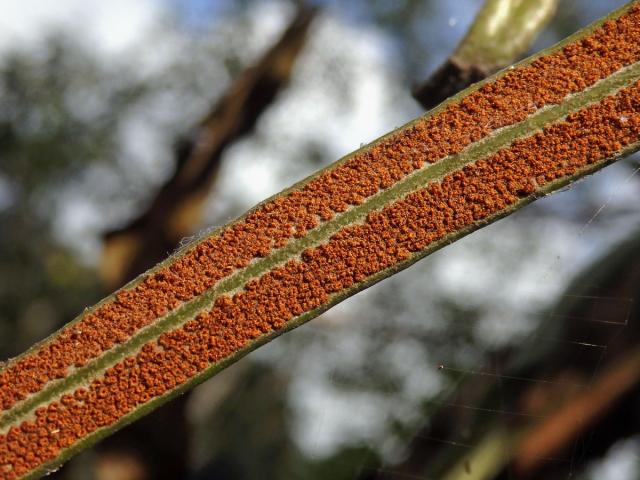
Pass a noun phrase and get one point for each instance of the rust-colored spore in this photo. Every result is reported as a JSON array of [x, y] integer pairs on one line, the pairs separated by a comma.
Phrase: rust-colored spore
[[386, 238], [506, 101]]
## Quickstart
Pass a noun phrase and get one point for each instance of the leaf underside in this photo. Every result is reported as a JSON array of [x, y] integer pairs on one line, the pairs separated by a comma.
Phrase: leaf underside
[[481, 155]]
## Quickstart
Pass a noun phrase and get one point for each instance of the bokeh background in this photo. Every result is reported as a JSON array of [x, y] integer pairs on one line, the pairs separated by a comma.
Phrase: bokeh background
[[404, 380]]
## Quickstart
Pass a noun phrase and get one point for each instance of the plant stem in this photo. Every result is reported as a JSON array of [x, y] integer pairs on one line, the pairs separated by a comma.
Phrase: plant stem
[[500, 34]]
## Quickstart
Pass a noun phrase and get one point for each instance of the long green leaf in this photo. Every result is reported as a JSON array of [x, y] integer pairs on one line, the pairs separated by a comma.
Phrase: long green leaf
[[481, 155]]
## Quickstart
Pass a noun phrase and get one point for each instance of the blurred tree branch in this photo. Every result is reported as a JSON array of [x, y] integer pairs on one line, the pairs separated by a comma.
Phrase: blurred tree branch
[[176, 210], [501, 33]]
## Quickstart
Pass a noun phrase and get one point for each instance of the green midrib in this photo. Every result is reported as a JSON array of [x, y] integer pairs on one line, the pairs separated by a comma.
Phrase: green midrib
[[414, 181]]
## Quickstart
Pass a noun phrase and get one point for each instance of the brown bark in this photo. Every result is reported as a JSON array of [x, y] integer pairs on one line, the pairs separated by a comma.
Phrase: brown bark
[[175, 212]]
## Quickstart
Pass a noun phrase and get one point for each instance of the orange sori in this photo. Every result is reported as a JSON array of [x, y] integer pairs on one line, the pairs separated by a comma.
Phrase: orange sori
[[356, 252], [509, 99]]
